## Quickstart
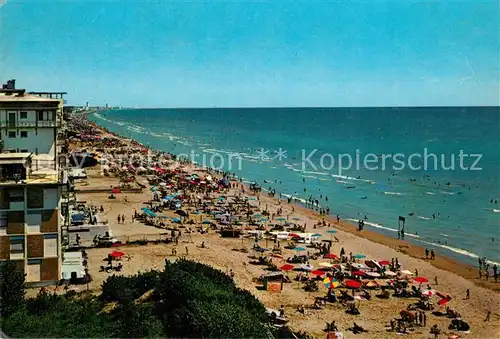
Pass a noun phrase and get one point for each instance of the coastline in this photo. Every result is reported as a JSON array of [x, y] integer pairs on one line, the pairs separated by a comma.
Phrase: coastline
[[441, 261]]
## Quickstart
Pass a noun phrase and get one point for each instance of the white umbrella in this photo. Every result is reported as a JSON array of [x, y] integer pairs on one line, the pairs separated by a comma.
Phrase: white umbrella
[[372, 274], [390, 273], [406, 272], [359, 266], [325, 264]]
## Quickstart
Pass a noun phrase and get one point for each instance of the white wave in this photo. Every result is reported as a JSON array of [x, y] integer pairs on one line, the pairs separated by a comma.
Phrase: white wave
[[444, 235], [430, 193], [423, 218], [316, 173], [120, 123], [496, 211], [324, 179], [343, 182], [393, 193], [352, 178], [459, 251], [449, 193]]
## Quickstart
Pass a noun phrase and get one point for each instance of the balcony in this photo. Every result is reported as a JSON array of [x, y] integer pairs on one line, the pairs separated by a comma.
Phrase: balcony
[[38, 124]]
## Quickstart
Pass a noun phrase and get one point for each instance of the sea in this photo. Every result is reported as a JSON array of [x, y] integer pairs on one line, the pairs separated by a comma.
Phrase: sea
[[436, 167]]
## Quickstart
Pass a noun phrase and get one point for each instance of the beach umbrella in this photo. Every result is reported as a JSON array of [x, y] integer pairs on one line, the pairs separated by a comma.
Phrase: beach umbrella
[[384, 263], [206, 222], [331, 232], [298, 249], [296, 219], [352, 284], [406, 272], [176, 219], [428, 293], [444, 301], [116, 190], [257, 215], [373, 274], [287, 267], [317, 235], [281, 219], [330, 282], [117, 254], [359, 256], [330, 256], [294, 235], [358, 266], [317, 272], [325, 265], [390, 273], [251, 198], [359, 297], [264, 219], [421, 279], [359, 273], [372, 284], [306, 267]]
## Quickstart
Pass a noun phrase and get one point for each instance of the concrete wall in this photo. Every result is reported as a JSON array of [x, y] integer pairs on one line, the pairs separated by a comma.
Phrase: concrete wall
[[41, 140]]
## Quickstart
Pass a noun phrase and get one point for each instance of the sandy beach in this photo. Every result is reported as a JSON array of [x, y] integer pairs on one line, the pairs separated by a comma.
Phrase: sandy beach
[[454, 278]]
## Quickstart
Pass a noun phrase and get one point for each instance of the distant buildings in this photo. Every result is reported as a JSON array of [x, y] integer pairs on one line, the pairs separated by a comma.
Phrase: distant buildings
[[31, 181]]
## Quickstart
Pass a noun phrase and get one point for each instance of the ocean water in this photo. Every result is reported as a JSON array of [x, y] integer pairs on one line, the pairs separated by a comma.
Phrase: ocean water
[[448, 200]]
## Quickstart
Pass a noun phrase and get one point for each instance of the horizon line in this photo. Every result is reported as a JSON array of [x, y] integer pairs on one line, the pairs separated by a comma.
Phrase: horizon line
[[294, 107]]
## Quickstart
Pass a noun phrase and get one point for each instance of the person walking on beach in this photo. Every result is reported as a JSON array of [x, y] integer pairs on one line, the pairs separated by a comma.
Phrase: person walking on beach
[[338, 218], [467, 294], [433, 255], [187, 251], [123, 218], [426, 253], [488, 316], [436, 280], [424, 318], [118, 218]]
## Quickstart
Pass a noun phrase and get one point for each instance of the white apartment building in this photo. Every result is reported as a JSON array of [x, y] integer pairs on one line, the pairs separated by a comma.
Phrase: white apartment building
[[30, 184]]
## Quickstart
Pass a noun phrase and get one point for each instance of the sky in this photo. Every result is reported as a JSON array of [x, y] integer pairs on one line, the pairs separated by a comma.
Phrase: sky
[[255, 54]]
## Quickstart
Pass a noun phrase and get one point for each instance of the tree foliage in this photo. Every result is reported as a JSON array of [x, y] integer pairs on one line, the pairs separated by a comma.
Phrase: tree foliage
[[188, 300], [11, 288]]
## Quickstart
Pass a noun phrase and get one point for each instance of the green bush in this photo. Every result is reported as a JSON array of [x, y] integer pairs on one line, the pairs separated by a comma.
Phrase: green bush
[[189, 300]]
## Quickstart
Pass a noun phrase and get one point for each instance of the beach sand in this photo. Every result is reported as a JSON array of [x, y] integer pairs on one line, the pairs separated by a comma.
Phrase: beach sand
[[454, 278]]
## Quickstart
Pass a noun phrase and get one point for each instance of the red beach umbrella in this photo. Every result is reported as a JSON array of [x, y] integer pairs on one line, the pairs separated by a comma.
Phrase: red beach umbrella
[[444, 301], [360, 273], [384, 263], [318, 272], [352, 284], [294, 235], [421, 279], [117, 254], [116, 190], [287, 267], [330, 256]]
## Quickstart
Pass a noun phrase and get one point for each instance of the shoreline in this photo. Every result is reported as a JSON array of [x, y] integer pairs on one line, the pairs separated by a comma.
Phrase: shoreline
[[462, 269]]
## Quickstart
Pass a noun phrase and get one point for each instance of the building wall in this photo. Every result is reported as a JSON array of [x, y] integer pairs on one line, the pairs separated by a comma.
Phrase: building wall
[[30, 230], [38, 141]]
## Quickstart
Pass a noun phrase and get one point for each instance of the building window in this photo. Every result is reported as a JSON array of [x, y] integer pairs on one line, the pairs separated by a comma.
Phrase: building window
[[17, 247], [3, 223], [16, 195], [50, 245], [24, 134], [23, 115], [35, 197], [12, 134]]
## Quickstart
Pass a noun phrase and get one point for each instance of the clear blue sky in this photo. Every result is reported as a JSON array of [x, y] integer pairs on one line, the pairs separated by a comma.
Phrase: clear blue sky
[[219, 54]]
